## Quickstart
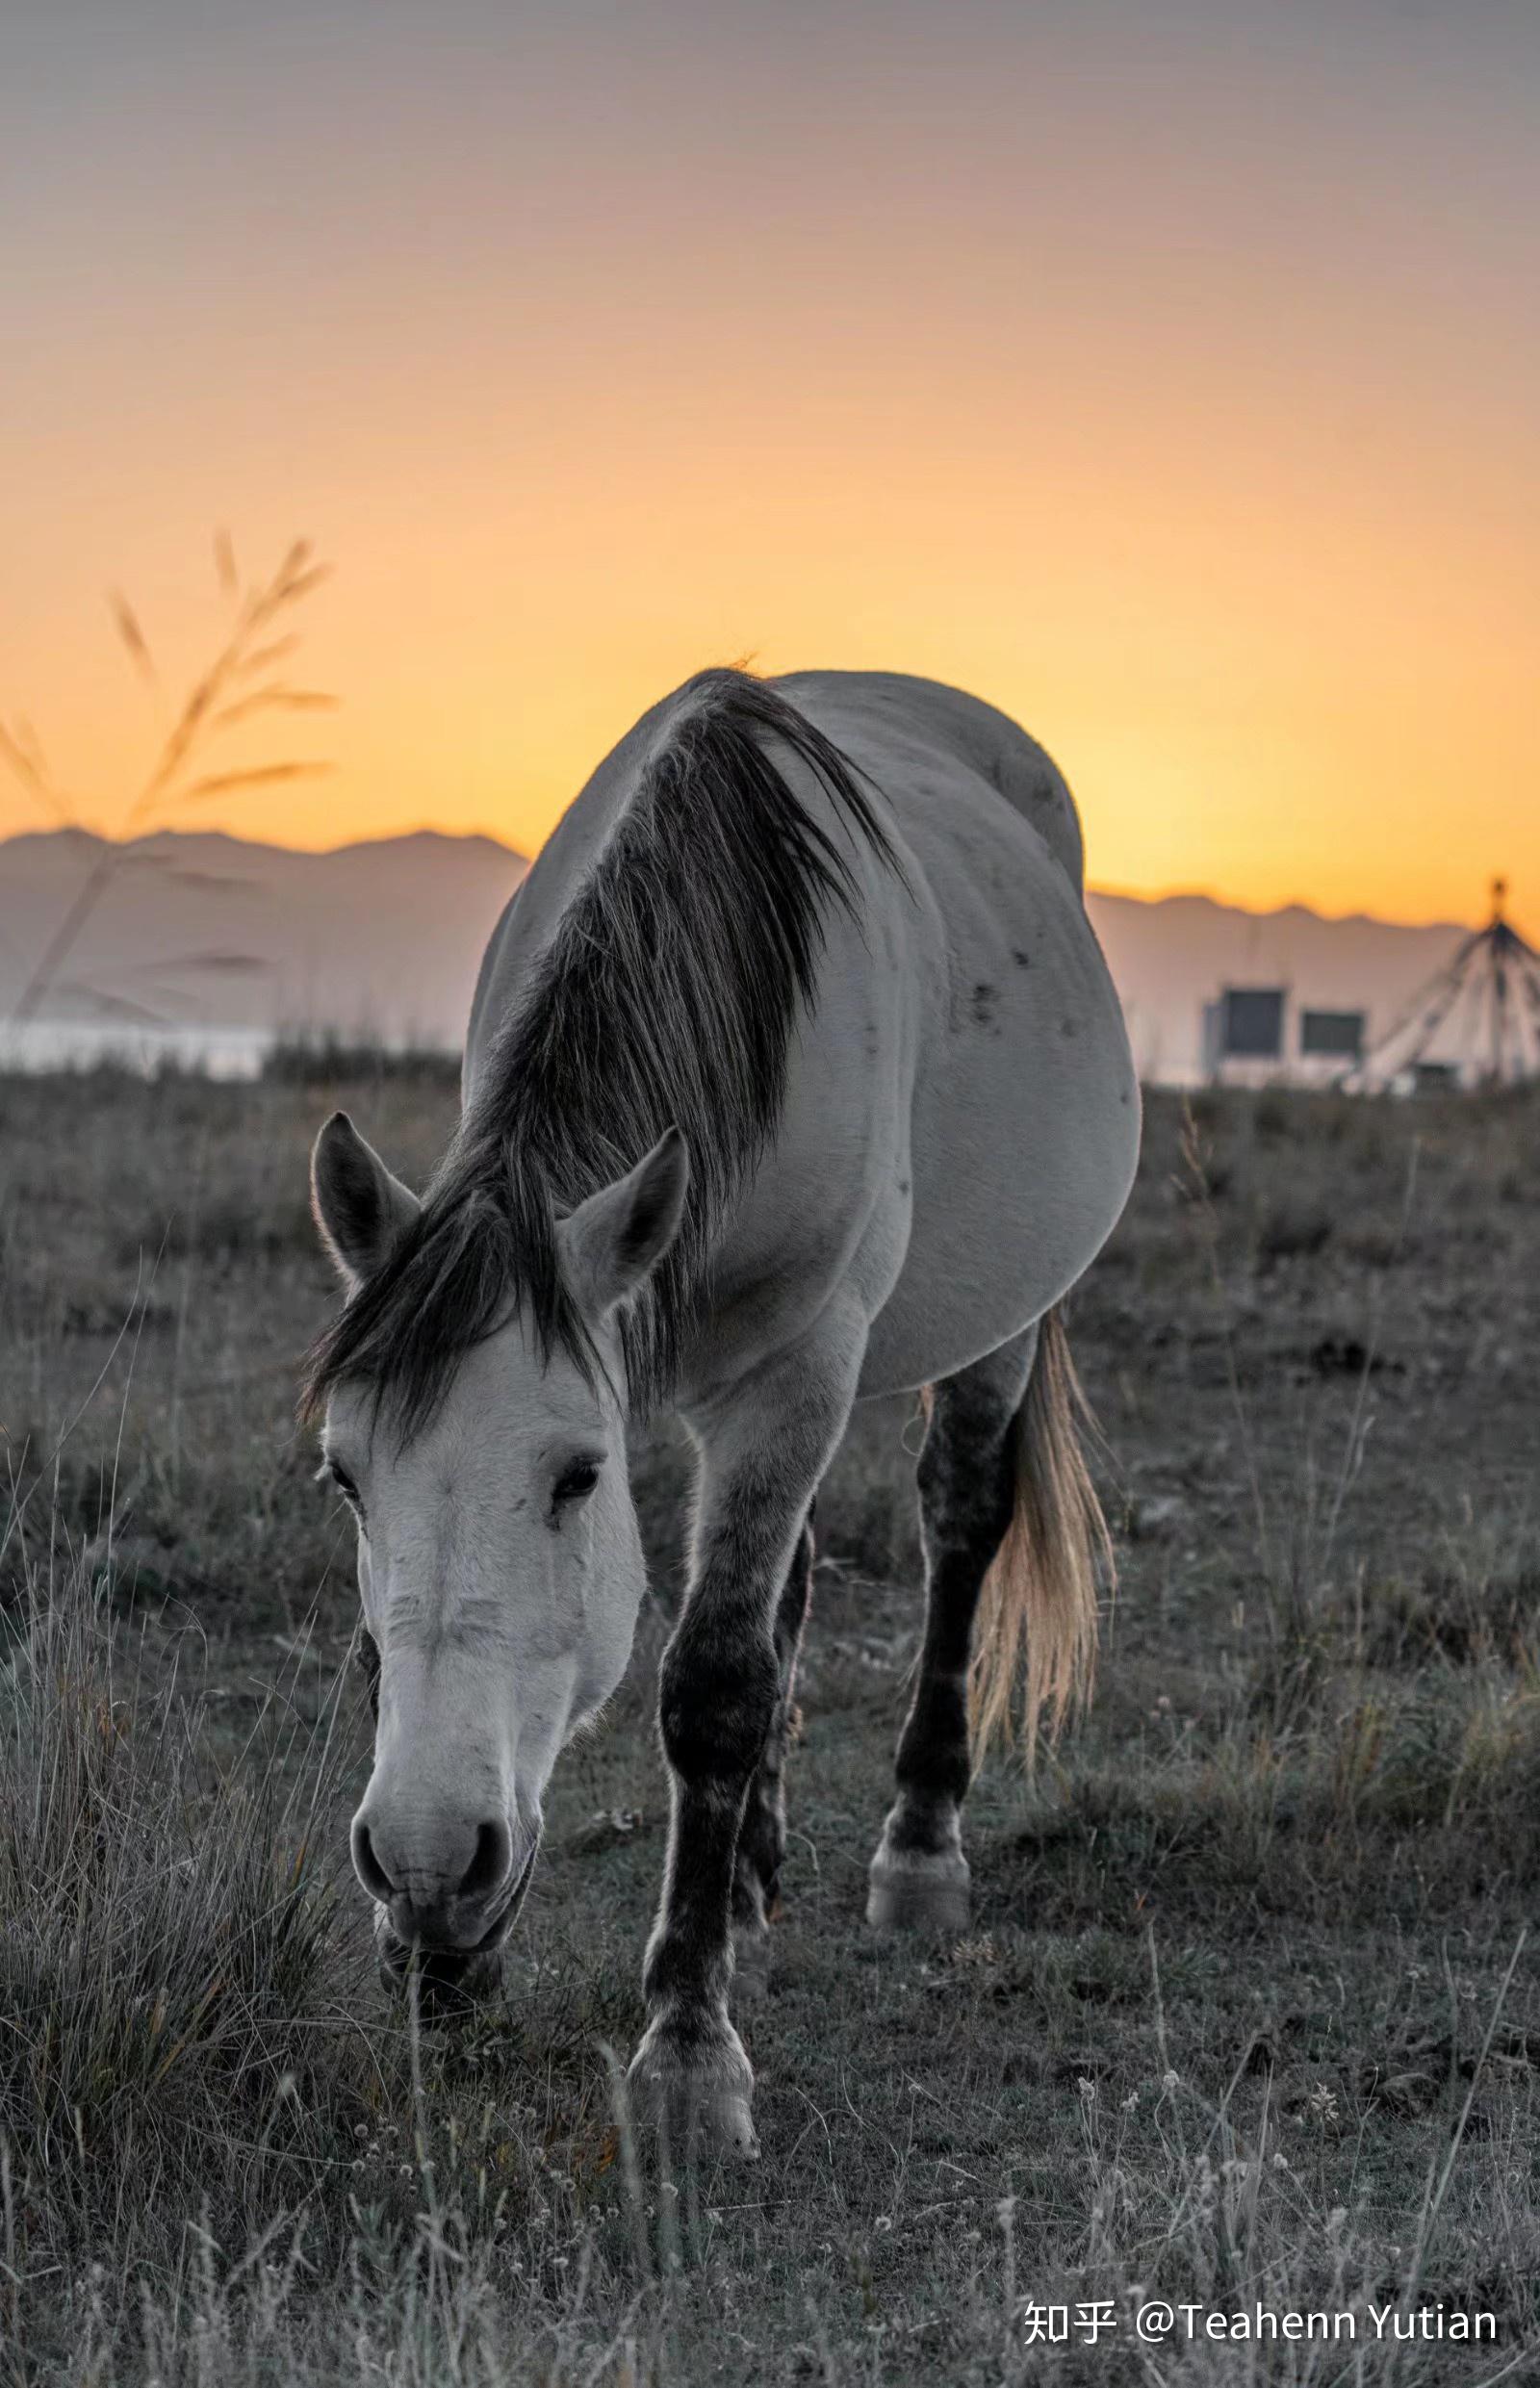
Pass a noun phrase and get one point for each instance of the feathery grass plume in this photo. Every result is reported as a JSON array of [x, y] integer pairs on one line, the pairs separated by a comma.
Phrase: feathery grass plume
[[23, 757], [131, 634], [219, 699]]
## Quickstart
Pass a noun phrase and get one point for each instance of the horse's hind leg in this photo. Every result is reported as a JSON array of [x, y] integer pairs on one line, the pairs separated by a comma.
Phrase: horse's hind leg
[[762, 1833], [920, 1876]]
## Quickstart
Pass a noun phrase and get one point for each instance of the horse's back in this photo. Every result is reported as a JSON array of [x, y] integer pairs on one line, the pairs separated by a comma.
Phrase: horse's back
[[928, 729], [1018, 1129], [910, 735], [960, 1126]]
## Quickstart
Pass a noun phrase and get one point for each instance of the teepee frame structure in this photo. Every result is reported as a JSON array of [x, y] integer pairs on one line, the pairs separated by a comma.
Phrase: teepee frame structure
[[1486, 997]]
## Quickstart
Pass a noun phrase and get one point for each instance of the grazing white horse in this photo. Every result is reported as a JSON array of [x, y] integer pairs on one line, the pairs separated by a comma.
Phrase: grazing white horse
[[794, 1076]]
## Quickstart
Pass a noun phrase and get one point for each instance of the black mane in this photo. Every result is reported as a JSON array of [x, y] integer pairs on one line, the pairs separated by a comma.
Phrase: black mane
[[668, 996]]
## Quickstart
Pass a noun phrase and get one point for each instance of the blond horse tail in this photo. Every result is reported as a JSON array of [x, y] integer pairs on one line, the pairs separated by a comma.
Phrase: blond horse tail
[[1037, 1621]]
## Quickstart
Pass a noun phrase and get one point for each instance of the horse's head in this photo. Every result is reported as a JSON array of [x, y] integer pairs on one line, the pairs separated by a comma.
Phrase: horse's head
[[499, 1559]]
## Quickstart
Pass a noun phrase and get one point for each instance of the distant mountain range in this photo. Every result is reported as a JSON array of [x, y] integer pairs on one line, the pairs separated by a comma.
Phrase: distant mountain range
[[378, 939], [205, 931]]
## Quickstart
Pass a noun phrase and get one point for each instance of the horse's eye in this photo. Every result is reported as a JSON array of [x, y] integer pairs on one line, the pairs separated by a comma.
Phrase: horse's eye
[[578, 1478], [344, 1482]]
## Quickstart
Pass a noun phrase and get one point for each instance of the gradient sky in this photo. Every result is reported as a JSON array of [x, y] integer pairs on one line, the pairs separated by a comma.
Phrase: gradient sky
[[1167, 371]]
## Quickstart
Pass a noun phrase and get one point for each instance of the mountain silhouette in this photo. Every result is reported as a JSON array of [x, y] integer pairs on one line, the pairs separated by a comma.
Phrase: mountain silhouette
[[202, 931]]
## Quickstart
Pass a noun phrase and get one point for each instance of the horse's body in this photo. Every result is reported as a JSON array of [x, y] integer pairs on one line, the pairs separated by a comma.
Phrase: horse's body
[[961, 1116], [832, 927]]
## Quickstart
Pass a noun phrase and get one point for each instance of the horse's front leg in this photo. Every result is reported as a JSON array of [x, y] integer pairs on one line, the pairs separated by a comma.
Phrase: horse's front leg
[[762, 1833], [764, 1448]]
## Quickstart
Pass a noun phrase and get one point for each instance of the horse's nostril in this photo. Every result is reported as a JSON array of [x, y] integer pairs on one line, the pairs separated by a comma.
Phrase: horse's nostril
[[367, 1865], [415, 1877], [488, 1869]]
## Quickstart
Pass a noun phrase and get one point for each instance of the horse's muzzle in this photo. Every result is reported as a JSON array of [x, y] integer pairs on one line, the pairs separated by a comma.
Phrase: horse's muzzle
[[450, 1980]]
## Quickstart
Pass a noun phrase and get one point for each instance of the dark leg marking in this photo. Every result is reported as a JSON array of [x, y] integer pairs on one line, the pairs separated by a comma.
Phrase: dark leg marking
[[717, 1701], [765, 1448], [762, 1833], [967, 1490]]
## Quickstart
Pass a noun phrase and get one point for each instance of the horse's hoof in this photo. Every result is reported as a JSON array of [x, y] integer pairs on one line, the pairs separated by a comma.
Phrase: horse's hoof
[[751, 1965], [918, 1893], [701, 2102]]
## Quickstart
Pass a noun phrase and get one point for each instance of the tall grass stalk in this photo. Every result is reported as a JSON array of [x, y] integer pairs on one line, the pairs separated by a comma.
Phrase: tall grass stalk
[[237, 686]]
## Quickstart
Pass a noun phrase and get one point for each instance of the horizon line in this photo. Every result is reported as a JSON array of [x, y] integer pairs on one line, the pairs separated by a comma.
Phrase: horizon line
[[490, 837]]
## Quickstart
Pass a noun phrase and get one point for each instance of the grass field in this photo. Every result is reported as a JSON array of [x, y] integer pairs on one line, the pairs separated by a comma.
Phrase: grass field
[[1246, 2015]]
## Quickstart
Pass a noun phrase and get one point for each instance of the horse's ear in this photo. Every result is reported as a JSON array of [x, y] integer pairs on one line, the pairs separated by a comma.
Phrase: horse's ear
[[611, 1241], [362, 1211]]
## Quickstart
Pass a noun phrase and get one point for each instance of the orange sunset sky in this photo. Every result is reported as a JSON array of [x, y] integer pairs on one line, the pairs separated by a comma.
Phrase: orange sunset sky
[[1167, 371]]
